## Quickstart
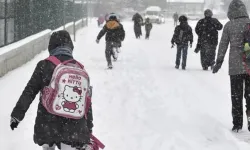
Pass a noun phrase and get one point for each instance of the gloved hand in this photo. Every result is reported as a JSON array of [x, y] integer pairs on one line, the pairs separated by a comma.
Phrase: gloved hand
[[172, 46], [97, 41], [217, 67], [191, 45], [13, 123], [89, 146], [196, 50]]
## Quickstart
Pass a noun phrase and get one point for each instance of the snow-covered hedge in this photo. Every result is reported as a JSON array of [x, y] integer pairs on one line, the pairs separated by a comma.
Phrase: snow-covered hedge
[[15, 55]]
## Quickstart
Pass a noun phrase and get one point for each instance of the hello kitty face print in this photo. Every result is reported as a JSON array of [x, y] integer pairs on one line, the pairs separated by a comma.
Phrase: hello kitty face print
[[71, 95]]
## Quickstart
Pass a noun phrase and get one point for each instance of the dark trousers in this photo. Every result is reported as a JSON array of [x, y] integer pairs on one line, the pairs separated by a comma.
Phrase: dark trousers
[[137, 30], [110, 51], [147, 34], [208, 53], [239, 84], [181, 50]]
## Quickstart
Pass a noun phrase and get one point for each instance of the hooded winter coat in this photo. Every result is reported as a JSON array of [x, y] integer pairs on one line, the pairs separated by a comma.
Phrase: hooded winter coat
[[207, 29], [182, 34], [233, 33], [138, 20], [50, 129], [148, 25], [114, 31]]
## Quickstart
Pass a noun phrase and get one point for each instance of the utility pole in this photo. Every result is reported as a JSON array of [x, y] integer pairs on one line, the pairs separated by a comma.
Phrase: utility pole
[[74, 26], [90, 10], [5, 23], [64, 14], [87, 19], [82, 14]]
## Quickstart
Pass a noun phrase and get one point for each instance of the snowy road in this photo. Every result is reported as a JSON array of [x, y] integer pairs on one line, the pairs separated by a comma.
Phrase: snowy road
[[144, 103]]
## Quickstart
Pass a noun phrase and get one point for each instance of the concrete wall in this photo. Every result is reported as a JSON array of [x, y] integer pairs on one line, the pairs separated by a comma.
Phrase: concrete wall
[[19, 53]]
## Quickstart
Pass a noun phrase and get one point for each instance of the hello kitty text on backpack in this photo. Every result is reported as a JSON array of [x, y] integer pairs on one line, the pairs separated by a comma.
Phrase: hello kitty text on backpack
[[68, 94]]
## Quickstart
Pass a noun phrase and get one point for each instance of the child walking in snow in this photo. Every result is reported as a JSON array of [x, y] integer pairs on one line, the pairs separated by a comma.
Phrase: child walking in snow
[[53, 130], [182, 37], [148, 27], [115, 34]]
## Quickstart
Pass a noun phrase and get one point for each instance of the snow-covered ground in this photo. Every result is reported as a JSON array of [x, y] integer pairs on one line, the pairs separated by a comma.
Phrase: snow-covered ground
[[144, 103]]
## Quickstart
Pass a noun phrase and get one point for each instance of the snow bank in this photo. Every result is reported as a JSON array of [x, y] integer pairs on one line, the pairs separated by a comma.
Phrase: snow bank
[[14, 55], [17, 54]]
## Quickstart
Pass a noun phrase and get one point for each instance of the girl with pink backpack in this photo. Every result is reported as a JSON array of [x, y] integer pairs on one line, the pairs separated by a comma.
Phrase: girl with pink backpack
[[64, 117]]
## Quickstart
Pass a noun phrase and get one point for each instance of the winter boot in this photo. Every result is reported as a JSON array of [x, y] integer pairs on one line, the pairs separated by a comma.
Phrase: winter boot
[[205, 68], [236, 128], [110, 66], [183, 68], [176, 67], [46, 147]]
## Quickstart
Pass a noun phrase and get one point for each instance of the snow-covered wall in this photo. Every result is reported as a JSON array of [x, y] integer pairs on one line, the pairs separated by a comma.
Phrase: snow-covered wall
[[15, 55]]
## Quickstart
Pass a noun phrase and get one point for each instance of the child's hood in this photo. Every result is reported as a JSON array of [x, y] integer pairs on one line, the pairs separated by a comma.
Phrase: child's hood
[[112, 25]]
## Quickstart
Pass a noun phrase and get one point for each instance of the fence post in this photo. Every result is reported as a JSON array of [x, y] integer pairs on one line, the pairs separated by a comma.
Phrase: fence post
[[64, 14], [82, 14], [87, 18], [74, 26], [5, 23]]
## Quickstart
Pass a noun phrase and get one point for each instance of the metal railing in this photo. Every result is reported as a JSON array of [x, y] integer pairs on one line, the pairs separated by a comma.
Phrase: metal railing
[[20, 19]]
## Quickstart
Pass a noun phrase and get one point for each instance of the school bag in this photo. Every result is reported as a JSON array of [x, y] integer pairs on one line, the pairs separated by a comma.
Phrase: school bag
[[68, 93], [181, 37], [246, 49]]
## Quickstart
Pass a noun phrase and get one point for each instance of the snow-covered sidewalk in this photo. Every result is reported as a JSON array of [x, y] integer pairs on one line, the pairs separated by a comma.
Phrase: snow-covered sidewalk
[[143, 103]]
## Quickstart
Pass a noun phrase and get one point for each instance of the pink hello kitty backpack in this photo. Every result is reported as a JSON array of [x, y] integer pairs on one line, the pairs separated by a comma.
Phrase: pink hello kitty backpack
[[67, 95]]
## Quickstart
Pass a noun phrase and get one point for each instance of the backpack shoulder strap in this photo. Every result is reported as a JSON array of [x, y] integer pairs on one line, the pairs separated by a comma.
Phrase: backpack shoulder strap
[[78, 63], [54, 60]]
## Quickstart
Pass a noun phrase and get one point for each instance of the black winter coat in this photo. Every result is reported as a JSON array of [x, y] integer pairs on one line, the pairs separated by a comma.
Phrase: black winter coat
[[51, 129], [114, 32], [148, 26], [138, 20], [182, 34], [207, 30]]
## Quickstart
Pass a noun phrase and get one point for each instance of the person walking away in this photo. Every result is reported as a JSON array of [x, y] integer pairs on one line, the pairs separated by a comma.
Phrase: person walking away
[[175, 17], [207, 31], [100, 20], [138, 21], [233, 33], [183, 36], [106, 17], [55, 129], [114, 35], [148, 28]]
